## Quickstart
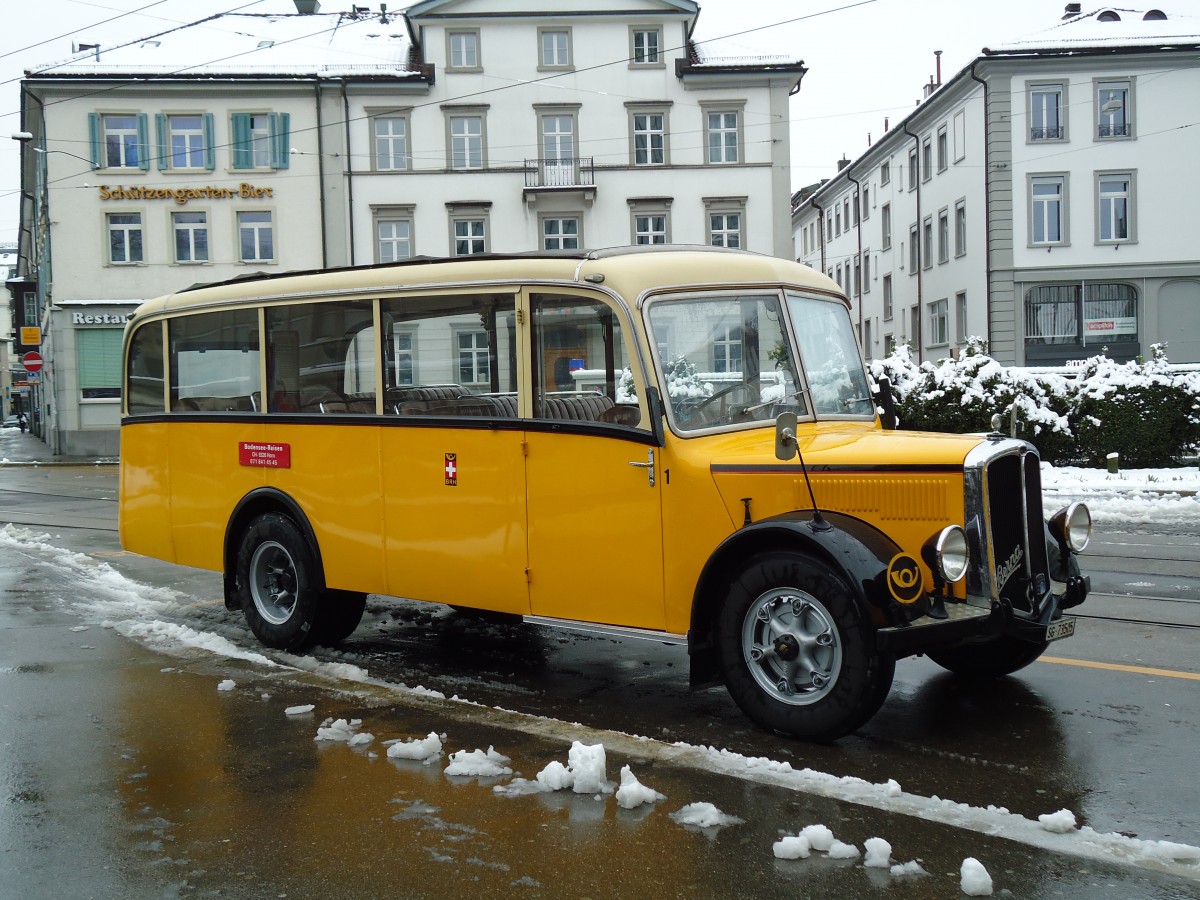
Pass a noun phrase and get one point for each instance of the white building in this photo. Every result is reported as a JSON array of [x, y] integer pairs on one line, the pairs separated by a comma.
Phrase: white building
[[1034, 199], [252, 143]]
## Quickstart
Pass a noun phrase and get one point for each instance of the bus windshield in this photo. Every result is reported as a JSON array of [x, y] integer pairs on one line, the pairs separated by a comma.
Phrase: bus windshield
[[837, 381]]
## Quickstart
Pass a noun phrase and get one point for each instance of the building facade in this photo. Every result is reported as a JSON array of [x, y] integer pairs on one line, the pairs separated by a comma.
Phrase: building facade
[[266, 143], [1031, 200]]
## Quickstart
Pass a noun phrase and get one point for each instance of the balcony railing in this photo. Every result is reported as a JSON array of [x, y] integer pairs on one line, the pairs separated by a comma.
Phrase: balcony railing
[[1114, 130], [565, 172], [1051, 133]]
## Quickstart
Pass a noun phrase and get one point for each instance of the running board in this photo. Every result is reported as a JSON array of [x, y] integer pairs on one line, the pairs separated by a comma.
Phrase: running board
[[613, 631]]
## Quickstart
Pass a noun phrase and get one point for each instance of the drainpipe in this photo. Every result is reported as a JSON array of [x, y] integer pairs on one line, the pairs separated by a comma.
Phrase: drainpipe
[[321, 169], [349, 170], [858, 232], [987, 211], [920, 254]]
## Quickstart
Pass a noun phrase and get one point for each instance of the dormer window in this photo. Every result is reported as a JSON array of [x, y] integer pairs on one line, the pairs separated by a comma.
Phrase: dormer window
[[1108, 16], [1154, 15]]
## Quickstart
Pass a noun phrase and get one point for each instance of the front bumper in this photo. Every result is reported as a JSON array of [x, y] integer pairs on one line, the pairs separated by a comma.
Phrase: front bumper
[[966, 623]]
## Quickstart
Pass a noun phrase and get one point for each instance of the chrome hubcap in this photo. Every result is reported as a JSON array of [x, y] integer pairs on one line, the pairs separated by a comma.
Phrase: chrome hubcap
[[791, 646], [273, 582]]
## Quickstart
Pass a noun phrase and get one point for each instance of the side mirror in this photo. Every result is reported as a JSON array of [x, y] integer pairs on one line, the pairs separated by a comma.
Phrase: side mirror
[[785, 436]]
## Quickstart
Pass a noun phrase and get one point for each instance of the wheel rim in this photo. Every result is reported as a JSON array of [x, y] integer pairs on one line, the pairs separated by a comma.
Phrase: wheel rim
[[791, 646], [273, 582]]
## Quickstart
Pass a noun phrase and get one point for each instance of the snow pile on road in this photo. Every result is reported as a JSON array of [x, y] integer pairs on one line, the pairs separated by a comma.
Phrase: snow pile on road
[[424, 750], [227, 685], [299, 710], [632, 793], [704, 815], [1060, 822], [342, 731], [478, 764], [975, 880], [585, 773]]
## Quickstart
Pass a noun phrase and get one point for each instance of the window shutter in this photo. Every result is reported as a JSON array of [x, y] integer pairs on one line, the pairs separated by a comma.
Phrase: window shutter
[[160, 132], [243, 156], [143, 128], [94, 136], [98, 357], [281, 140], [210, 153]]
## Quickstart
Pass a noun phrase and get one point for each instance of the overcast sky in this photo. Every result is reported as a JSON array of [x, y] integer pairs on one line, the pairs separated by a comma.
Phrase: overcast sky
[[867, 59]]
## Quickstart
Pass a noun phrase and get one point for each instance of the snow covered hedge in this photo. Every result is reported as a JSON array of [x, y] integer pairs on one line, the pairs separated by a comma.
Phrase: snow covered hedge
[[1139, 409]]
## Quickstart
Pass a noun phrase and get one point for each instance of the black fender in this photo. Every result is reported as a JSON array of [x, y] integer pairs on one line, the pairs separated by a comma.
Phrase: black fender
[[856, 550], [254, 504]]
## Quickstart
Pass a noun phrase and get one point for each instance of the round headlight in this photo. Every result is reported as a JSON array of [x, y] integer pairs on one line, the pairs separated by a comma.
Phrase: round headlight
[[951, 553], [1078, 531]]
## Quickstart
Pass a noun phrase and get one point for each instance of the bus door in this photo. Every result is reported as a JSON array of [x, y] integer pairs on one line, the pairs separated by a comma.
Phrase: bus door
[[453, 473], [592, 469]]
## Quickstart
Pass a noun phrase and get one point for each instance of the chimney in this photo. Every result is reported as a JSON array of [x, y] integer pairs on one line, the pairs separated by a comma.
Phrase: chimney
[[843, 162], [938, 54], [1073, 9], [307, 7], [885, 124]]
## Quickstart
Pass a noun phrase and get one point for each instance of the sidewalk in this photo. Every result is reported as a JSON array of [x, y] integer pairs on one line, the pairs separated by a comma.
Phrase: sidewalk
[[17, 449]]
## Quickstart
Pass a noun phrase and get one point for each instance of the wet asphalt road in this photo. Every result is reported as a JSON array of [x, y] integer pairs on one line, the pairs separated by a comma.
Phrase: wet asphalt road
[[122, 779]]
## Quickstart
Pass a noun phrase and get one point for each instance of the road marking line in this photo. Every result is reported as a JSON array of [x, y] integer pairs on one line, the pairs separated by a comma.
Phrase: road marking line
[[1117, 667]]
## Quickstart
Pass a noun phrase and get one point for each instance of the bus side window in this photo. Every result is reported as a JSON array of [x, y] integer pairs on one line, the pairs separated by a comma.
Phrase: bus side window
[[309, 349], [214, 361], [145, 376], [452, 355]]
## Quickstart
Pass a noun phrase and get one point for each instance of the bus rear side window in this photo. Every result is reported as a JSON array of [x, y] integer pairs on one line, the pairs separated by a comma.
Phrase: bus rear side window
[[215, 362], [146, 370]]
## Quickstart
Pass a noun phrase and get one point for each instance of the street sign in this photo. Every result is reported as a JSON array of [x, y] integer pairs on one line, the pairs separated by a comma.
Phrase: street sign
[[31, 336], [32, 361]]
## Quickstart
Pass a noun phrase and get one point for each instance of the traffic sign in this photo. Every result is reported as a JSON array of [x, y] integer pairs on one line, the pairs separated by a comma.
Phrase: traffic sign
[[32, 361]]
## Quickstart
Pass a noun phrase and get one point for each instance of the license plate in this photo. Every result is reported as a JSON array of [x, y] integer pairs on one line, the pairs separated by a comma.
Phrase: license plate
[[1063, 628]]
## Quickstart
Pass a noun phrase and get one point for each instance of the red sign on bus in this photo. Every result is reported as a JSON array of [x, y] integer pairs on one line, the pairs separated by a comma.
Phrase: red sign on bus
[[271, 456], [32, 361]]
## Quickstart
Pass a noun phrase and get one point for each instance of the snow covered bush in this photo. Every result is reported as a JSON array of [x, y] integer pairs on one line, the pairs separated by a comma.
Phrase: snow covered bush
[[1141, 410]]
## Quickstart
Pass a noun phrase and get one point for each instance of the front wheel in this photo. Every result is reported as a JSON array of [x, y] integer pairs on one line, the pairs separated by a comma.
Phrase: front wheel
[[275, 583], [796, 651], [989, 659]]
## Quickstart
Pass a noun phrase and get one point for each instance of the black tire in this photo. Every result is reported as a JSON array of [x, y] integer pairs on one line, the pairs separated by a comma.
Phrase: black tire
[[988, 659], [796, 649], [338, 614], [275, 583]]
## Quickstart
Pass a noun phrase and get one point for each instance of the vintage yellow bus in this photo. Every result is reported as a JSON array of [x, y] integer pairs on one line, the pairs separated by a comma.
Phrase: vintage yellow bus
[[671, 443]]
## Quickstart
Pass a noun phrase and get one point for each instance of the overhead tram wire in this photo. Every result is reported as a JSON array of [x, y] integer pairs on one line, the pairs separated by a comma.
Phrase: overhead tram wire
[[58, 37]]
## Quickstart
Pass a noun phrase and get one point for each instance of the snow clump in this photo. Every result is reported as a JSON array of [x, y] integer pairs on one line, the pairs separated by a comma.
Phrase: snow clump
[[976, 882], [587, 764], [704, 815], [633, 793], [227, 685], [1060, 822], [791, 847], [879, 853], [478, 763], [819, 837], [424, 749], [909, 868], [343, 732], [840, 850], [299, 710]]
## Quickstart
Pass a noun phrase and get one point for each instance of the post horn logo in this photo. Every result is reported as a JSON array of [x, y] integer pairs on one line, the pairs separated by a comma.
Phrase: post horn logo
[[904, 580]]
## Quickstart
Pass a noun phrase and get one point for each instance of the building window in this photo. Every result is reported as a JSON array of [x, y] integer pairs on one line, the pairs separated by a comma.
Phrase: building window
[[261, 140], [914, 325], [854, 209], [1047, 112], [885, 223], [650, 229], [256, 236], [866, 338], [927, 242], [391, 142], [646, 46], [470, 236], [960, 317], [943, 235], [960, 228], [866, 207], [98, 362], [889, 344], [725, 229], [939, 329], [926, 159], [124, 238], [724, 137], [887, 298], [1062, 321], [185, 141], [473, 358], [727, 349], [119, 141], [1114, 113], [828, 226], [467, 142], [960, 136], [404, 356], [857, 283], [393, 239], [558, 147], [649, 137], [846, 212], [1047, 202], [943, 150], [191, 236], [561, 233], [1114, 205], [914, 250], [866, 271], [912, 169], [837, 218], [462, 50], [885, 173], [554, 48]]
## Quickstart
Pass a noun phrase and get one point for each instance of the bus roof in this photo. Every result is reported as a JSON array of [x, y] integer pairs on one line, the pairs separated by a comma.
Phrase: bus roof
[[630, 271]]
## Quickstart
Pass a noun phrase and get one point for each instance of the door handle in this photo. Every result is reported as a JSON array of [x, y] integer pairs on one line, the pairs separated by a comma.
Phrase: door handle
[[648, 465]]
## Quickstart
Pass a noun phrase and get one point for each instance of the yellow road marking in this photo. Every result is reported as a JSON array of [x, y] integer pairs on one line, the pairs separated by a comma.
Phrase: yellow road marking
[[1117, 667]]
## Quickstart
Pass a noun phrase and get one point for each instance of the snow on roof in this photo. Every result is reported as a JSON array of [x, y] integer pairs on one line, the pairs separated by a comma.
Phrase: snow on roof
[[731, 52], [1107, 28], [329, 44]]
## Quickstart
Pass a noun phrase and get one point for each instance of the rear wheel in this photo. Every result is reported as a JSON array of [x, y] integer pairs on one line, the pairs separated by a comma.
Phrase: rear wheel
[[990, 659], [796, 652], [275, 578]]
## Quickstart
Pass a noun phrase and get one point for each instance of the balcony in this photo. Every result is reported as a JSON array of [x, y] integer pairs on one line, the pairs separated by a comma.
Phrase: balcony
[[568, 174]]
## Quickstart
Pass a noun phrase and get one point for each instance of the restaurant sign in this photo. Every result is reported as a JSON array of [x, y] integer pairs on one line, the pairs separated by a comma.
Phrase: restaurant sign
[[244, 191]]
